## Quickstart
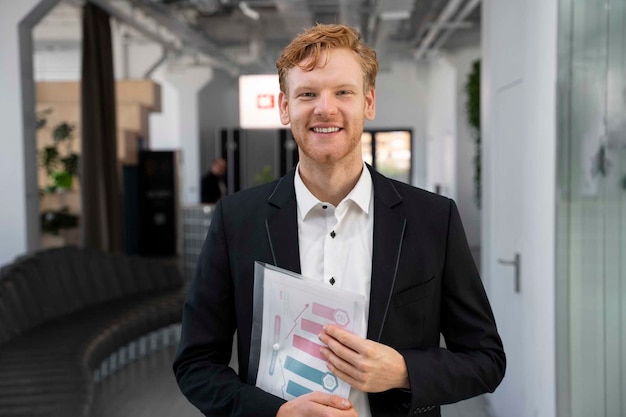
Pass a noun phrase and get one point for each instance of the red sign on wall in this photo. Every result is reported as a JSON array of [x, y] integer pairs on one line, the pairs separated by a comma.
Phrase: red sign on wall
[[265, 101]]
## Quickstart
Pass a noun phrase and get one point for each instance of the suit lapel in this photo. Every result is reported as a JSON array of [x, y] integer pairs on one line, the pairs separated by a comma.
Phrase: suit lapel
[[389, 225], [282, 226]]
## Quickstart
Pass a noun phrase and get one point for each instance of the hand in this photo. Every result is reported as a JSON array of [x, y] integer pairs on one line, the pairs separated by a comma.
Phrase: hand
[[364, 364], [317, 404]]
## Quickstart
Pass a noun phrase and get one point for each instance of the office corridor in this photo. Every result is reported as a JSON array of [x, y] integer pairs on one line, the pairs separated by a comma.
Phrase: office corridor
[[147, 388]]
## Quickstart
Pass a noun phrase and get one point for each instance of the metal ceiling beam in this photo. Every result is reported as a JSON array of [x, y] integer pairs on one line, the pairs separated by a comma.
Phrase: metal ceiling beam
[[446, 15], [192, 37], [457, 23], [128, 20]]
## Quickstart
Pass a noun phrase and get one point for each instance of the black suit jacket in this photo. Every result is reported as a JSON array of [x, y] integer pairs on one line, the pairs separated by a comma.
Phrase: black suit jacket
[[424, 283]]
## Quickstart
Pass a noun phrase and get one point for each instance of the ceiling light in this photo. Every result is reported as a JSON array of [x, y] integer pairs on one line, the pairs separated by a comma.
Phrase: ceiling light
[[395, 15]]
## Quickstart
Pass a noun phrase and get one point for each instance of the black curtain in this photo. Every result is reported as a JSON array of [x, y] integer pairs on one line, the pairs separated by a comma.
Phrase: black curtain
[[100, 192]]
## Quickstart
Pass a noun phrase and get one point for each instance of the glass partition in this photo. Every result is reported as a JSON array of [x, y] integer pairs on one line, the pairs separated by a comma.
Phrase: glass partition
[[591, 209]]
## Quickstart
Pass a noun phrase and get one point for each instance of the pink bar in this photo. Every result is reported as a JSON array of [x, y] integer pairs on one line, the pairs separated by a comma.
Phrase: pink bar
[[323, 311], [311, 326], [307, 346]]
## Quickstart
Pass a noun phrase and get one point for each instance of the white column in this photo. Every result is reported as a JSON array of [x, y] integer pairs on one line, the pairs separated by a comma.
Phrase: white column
[[13, 177], [180, 88], [441, 128]]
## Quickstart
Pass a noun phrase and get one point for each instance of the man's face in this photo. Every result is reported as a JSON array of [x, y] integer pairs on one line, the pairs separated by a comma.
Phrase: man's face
[[327, 108]]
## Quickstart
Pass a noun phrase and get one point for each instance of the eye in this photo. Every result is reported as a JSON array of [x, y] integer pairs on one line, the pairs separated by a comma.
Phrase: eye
[[343, 92], [307, 95]]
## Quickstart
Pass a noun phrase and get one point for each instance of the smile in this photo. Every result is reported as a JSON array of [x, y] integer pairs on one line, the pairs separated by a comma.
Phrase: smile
[[326, 129]]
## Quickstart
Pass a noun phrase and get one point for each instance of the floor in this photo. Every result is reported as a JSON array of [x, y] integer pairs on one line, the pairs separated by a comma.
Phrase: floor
[[146, 388]]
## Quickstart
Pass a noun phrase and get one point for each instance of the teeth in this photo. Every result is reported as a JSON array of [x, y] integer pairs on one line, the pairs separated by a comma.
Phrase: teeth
[[325, 129]]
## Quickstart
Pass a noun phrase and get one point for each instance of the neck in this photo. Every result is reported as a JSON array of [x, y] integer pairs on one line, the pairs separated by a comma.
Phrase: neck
[[330, 182]]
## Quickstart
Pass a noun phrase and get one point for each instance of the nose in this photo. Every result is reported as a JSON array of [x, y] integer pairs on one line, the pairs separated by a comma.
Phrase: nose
[[326, 105]]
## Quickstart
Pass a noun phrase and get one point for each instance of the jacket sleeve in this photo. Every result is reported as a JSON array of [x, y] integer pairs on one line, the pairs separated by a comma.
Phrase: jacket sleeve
[[473, 361], [208, 324]]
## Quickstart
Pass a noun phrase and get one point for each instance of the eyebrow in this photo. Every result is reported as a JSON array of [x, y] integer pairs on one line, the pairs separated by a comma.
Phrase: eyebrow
[[308, 87]]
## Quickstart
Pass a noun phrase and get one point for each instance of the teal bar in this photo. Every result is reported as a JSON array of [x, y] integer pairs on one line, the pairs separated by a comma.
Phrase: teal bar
[[295, 389], [327, 380], [304, 370]]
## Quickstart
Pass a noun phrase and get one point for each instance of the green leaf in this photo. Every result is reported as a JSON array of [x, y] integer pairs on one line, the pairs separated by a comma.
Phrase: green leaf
[[62, 179], [62, 132]]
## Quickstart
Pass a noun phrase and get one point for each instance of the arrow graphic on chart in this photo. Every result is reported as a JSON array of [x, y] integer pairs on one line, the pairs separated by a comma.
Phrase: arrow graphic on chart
[[295, 321]]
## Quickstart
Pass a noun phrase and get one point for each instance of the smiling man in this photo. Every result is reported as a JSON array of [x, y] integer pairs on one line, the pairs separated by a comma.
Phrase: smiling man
[[337, 220]]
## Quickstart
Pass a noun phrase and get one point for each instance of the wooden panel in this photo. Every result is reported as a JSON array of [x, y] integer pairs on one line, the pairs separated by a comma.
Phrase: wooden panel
[[145, 92], [136, 99]]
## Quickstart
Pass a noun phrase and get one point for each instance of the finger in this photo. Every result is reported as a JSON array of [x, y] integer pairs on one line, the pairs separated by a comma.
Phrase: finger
[[347, 378], [345, 337], [342, 369], [330, 400], [339, 349]]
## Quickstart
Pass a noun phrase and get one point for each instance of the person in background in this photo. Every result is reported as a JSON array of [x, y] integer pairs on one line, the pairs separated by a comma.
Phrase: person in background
[[212, 186], [335, 219]]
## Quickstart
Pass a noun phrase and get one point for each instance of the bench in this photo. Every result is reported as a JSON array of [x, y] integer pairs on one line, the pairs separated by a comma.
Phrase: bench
[[70, 316]]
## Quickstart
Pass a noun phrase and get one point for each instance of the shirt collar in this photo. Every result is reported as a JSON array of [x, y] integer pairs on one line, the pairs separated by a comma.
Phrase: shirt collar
[[361, 194]]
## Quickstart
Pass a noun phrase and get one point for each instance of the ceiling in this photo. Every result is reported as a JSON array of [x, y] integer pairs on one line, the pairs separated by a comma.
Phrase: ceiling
[[247, 36]]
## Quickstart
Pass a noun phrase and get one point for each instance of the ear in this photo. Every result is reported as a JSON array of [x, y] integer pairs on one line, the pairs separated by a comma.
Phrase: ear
[[283, 108], [370, 104]]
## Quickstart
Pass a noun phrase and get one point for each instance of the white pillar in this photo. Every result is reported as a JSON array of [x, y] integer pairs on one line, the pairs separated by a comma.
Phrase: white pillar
[[441, 128], [19, 197], [180, 88]]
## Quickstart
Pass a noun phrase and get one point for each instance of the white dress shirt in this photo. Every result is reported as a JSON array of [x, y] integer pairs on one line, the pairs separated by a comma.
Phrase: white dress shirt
[[336, 246]]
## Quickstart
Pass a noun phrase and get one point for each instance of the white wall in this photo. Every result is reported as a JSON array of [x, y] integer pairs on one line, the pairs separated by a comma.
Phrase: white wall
[[519, 42], [401, 101], [57, 39], [540, 68], [441, 128], [462, 60], [57, 64], [13, 210]]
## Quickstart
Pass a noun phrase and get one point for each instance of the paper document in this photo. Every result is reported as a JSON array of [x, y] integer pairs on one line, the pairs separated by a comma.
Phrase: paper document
[[285, 334]]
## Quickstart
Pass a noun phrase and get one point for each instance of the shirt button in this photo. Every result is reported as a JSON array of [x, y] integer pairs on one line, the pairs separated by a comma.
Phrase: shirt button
[[332, 281], [333, 234], [324, 206]]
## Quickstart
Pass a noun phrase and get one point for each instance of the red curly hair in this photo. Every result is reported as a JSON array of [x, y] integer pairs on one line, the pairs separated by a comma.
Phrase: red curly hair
[[306, 49]]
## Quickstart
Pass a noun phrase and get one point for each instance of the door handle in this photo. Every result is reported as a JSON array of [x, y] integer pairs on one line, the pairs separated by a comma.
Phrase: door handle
[[516, 263]]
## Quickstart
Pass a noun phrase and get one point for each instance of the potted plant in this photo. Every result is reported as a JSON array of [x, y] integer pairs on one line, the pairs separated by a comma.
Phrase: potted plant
[[58, 159], [472, 106], [60, 163]]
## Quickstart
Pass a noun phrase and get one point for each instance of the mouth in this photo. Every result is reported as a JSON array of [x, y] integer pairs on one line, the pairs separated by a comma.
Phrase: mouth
[[325, 129]]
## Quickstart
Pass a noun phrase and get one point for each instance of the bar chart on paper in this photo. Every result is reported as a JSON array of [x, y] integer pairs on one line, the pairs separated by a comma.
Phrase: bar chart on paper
[[294, 313]]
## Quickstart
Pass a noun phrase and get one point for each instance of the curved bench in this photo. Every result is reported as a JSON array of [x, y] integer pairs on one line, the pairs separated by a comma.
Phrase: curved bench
[[63, 312]]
